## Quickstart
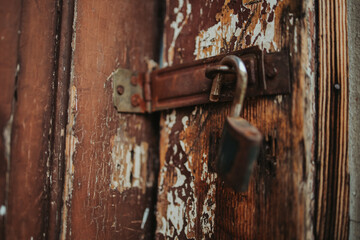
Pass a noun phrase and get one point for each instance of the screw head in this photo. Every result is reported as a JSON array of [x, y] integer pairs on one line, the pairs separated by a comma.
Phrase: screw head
[[120, 89], [271, 72], [337, 86], [135, 100]]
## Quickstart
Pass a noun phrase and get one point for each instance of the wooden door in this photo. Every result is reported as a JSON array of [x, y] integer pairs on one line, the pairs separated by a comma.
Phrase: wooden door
[[291, 193], [72, 167]]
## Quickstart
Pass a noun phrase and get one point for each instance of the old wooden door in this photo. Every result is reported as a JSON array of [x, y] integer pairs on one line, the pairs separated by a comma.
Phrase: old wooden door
[[72, 167], [299, 187]]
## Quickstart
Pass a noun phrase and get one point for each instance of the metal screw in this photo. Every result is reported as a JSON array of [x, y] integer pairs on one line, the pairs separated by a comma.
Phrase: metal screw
[[120, 89], [337, 86], [135, 100], [133, 80], [271, 72]]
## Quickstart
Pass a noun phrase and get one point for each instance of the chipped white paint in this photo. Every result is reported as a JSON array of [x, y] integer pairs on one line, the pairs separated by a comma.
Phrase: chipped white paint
[[182, 144], [145, 217], [175, 149], [209, 42], [278, 99], [162, 176], [180, 178], [2, 210], [7, 139], [179, 215], [264, 38], [191, 213], [187, 163], [170, 120], [161, 226], [175, 211], [128, 162], [184, 121], [208, 212], [205, 175], [178, 25]]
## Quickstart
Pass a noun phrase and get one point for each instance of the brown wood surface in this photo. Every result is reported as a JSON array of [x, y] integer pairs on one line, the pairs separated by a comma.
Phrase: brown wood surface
[[28, 199], [332, 205], [111, 158], [9, 27], [71, 167], [192, 202]]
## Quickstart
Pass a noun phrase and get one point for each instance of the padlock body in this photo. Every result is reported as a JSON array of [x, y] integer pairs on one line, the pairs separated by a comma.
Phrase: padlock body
[[238, 151]]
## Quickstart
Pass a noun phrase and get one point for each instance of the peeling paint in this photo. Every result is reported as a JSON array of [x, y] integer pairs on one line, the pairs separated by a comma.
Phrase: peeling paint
[[228, 34], [178, 183], [208, 212], [178, 25], [170, 120], [175, 210], [191, 214], [2, 210], [145, 217], [264, 38], [7, 138], [129, 162], [210, 42]]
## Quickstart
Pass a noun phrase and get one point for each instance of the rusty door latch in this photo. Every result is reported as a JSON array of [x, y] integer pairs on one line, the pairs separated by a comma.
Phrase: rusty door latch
[[190, 84]]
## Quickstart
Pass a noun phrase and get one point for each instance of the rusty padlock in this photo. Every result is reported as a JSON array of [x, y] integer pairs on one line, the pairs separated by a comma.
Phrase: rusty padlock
[[240, 142]]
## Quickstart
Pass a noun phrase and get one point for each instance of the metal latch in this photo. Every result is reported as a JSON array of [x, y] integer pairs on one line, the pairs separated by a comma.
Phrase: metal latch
[[187, 85]]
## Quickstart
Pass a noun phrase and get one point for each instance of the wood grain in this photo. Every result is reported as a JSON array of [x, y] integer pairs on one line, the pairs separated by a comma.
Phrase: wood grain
[[193, 203], [9, 27], [332, 205], [28, 199], [111, 158]]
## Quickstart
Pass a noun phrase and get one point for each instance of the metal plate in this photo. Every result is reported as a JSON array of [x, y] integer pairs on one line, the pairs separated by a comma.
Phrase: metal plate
[[128, 91]]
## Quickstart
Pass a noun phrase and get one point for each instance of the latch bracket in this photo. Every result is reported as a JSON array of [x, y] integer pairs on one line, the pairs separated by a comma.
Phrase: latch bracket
[[186, 84]]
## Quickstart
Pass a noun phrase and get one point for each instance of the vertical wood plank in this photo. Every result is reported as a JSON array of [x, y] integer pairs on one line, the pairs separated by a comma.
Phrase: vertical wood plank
[[332, 205], [28, 201], [111, 158], [9, 27], [193, 203]]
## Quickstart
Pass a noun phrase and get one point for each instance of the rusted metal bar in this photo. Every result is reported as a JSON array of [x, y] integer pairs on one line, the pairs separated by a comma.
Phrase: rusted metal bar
[[187, 84]]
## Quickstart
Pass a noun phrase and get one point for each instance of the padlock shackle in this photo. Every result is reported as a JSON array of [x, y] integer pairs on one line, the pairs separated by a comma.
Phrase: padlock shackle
[[241, 82]]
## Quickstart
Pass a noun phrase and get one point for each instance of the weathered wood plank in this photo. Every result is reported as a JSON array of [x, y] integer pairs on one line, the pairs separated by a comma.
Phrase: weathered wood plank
[[111, 158], [9, 27], [332, 205], [192, 202], [28, 201]]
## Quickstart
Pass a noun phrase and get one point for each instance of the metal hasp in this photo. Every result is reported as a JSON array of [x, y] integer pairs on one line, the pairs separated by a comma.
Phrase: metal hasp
[[186, 84]]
